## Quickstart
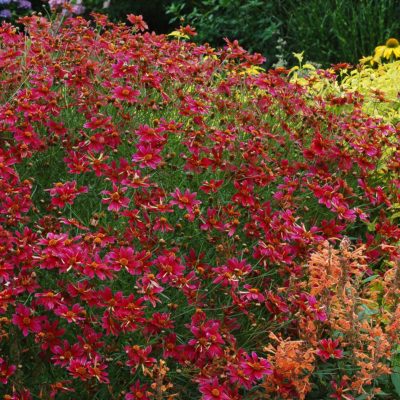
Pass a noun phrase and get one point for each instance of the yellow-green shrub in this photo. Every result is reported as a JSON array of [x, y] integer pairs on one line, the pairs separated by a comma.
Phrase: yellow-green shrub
[[380, 87]]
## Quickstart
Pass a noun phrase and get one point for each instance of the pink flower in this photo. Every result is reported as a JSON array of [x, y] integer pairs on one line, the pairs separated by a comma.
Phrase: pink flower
[[25, 321], [328, 349], [79, 368], [126, 93], [211, 389], [147, 156], [138, 22], [169, 267], [6, 371], [232, 272], [76, 313], [138, 356], [255, 367], [65, 193], [115, 199], [185, 200], [137, 392]]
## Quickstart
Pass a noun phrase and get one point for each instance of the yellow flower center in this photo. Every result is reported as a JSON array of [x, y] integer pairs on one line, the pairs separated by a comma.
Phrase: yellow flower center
[[392, 43]]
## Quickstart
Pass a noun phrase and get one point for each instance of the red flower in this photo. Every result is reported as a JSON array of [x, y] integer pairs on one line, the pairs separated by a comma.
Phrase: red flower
[[211, 389], [185, 200], [251, 294], [232, 272], [169, 267], [6, 171], [97, 122], [213, 221], [238, 375], [254, 367], [126, 93], [65, 193], [60, 387], [328, 348], [76, 162], [25, 321], [161, 224], [48, 299], [65, 352], [115, 199], [147, 156], [96, 369], [207, 340], [137, 392], [50, 335], [79, 368], [6, 371], [138, 356], [211, 186], [76, 313], [138, 22]]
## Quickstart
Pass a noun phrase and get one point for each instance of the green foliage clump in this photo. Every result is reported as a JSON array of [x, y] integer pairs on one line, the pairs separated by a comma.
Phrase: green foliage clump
[[344, 30], [330, 31], [380, 87], [255, 23]]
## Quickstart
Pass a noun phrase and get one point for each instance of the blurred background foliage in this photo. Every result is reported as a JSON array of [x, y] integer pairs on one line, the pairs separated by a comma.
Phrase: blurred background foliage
[[328, 31]]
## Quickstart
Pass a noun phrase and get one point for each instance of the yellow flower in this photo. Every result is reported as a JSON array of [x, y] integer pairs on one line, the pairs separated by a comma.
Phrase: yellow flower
[[390, 51]]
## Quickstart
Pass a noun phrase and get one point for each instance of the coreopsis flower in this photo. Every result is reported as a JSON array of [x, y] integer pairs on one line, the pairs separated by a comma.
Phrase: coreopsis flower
[[75, 314], [328, 349], [238, 375], [28, 137], [116, 199], [48, 300], [60, 387], [211, 186], [79, 368], [25, 321], [139, 356], [208, 341], [390, 51], [147, 156], [50, 335], [161, 224], [138, 392], [126, 93], [6, 270], [65, 193], [169, 268], [232, 272], [186, 200], [255, 367], [64, 353], [6, 161], [96, 369], [251, 294], [211, 389], [6, 371], [138, 22], [99, 268]]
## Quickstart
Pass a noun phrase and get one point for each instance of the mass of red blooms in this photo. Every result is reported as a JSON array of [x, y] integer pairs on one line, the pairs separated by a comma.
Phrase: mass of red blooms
[[174, 225]]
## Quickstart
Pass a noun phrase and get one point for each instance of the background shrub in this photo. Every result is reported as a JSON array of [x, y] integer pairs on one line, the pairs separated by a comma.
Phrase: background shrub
[[255, 22], [344, 31]]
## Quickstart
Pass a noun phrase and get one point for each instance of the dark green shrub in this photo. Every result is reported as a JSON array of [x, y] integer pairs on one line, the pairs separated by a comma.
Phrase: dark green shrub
[[153, 11], [254, 22], [331, 31]]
